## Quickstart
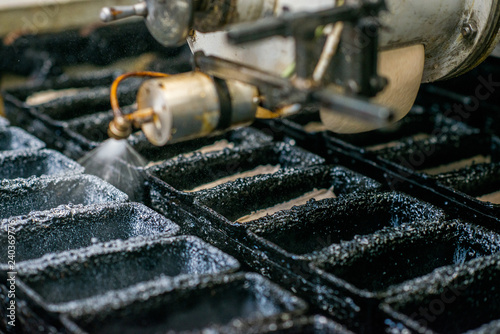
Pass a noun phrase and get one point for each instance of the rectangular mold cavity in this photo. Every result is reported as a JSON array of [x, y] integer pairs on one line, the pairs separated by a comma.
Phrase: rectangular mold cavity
[[417, 121], [65, 229], [26, 164], [438, 152], [187, 173], [68, 280], [80, 101], [243, 299], [93, 127], [15, 139], [451, 300], [485, 152], [407, 131], [395, 255], [481, 181], [244, 196], [243, 137], [104, 77], [20, 197], [317, 225]]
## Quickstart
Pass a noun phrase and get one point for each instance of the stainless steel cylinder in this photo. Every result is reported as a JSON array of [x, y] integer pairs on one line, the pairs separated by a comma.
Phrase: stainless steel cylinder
[[193, 105], [457, 34], [213, 15]]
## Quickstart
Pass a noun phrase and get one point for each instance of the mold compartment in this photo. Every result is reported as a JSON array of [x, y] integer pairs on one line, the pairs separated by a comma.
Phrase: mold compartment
[[450, 149], [104, 77], [20, 197], [319, 224], [15, 139], [93, 127], [206, 170], [71, 102], [235, 200], [243, 137], [240, 299], [415, 128], [452, 300], [65, 229], [25, 164], [484, 153], [395, 255], [412, 127], [64, 281], [481, 181]]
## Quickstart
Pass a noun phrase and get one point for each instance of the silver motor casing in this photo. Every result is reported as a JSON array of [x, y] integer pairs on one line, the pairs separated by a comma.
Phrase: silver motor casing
[[193, 104]]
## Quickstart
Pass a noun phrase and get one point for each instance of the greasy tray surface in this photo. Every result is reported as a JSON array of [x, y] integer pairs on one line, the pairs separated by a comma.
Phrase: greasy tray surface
[[20, 197], [66, 228]]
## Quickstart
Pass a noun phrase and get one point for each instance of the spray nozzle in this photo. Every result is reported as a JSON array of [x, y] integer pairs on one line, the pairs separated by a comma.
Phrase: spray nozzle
[[121, 126]]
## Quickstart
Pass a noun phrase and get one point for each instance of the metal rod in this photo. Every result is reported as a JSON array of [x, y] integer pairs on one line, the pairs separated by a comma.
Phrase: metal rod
[[109, 14], [354, 106], [290, 24]]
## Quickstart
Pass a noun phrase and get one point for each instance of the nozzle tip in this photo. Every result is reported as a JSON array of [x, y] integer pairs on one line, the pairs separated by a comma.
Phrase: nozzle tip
[[119, 128]]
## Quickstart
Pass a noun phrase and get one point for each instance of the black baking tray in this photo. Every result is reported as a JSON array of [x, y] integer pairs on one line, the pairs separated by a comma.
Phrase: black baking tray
[[77, 282], [36, 163], [392, 217], [196, 305], [66, 228], [407, 157], [448, 300]]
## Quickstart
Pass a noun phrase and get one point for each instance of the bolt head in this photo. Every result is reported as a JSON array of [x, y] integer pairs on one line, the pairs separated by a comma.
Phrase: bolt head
[[469, 30]]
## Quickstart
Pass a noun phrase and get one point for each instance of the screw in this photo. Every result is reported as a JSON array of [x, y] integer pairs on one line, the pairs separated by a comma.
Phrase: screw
[[352, 86], [469, 30]]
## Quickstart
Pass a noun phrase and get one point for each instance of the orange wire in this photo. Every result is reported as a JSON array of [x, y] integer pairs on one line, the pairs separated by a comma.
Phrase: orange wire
[[115, 105]]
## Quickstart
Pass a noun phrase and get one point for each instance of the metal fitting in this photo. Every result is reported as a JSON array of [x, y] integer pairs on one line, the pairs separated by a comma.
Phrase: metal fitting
[[119, 128]]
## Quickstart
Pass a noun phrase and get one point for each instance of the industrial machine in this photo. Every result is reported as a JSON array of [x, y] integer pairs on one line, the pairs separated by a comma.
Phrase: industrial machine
[[361, 62], [279, 227]]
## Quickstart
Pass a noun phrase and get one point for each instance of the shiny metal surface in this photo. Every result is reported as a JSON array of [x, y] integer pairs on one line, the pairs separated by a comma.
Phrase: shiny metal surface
[[168, 21], [191, 105], [438, 26], [186, 105], [109, 14]]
